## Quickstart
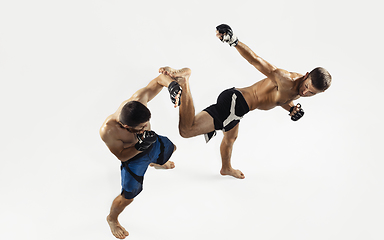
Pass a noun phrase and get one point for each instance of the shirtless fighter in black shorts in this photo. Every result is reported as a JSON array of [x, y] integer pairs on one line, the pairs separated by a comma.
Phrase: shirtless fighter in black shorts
[[279, 88]]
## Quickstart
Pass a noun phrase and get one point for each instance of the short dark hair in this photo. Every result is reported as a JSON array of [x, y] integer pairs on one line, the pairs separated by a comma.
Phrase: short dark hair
[[321, 79], [134, 113]]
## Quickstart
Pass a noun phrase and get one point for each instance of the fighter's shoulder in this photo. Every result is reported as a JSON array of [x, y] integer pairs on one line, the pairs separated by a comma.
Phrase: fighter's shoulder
[[295, 75], [108, 129], [281, 72], [285, 75], [281, 76]]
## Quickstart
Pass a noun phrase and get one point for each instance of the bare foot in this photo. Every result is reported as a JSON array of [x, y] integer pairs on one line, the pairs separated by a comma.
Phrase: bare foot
[[232, 172], [180, 75], [167, 165], [117, 230]]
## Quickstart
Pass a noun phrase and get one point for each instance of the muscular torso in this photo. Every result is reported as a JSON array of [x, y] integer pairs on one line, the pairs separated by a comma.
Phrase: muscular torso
[[265, 94]]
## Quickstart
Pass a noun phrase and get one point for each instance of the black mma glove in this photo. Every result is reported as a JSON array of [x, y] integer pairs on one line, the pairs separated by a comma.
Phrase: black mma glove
[[298, 114], [228, 35], [145, 140], [174, 88]]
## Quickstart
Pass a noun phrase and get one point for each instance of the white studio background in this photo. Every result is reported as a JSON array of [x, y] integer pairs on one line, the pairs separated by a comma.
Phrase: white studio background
[[66, 65]]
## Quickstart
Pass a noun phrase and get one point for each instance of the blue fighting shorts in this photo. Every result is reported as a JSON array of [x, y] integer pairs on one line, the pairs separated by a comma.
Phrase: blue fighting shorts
[[133, 170]]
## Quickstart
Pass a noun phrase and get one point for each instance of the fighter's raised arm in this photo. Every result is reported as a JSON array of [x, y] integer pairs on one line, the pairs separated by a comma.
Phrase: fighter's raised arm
[[225, 34], [146, 94]]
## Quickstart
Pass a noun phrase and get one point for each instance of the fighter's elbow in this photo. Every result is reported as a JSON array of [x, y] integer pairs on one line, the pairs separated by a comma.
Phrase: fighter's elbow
[[120, 156]]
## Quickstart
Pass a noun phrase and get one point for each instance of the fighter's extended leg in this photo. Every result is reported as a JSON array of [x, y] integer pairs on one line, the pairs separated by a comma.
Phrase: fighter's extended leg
[[226, 153], [118, 205], [189, 124], [187, 108]]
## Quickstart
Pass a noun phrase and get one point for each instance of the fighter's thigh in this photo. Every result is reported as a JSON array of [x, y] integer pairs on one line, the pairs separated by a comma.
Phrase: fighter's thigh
[[203, 123]]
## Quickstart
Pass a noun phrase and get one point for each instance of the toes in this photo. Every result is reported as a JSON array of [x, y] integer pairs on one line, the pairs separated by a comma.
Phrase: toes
[[122, 235], [118, 235]]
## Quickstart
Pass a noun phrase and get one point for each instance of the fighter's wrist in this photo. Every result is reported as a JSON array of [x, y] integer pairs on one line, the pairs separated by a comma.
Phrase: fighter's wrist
[[174, 90], [296, 112]]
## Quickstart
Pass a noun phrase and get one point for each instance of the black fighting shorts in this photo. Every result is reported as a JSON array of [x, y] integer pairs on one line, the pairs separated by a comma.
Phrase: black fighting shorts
[[228, 110]]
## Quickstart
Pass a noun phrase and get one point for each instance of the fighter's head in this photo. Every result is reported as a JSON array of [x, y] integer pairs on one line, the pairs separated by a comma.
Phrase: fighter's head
[[317, 81], [134, 116]]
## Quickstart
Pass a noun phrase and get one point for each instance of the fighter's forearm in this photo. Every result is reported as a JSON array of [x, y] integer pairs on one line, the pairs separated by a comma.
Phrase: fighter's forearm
[[164, 80], [288, 106], [255, 60], [246, 53], [127, 153], [154, 87]]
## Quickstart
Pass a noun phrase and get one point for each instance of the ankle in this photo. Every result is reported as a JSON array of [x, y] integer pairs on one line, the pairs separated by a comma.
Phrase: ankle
[[111, 219]]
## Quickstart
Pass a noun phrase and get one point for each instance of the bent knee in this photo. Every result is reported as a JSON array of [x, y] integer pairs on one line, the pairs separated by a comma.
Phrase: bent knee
[[229, 140], [185, 133], [125, 200]]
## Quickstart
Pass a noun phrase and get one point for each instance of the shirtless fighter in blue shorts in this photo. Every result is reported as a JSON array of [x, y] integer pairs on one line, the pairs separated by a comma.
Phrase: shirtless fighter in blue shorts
[[279, 88], [127, 133]]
